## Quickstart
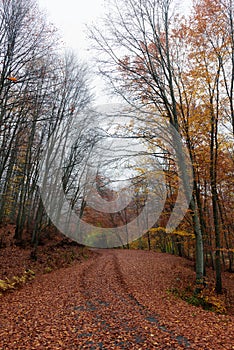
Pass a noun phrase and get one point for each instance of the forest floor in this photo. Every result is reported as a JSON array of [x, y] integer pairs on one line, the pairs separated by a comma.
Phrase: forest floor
[[107, 299]]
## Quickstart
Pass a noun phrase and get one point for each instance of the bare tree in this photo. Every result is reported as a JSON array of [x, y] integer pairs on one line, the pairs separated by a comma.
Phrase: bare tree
[[41, 91], [140, 57]]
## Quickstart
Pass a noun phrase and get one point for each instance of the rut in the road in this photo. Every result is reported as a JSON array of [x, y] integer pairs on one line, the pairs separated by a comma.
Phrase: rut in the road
[[119, 313], [116, 300]]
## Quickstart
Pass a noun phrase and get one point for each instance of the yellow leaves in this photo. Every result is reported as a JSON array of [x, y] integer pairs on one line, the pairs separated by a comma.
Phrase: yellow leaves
[[3, 285], [140, 170], [184, 234], [7, 285], [212, 301], [225, 250], [157, 229], [216, 304]]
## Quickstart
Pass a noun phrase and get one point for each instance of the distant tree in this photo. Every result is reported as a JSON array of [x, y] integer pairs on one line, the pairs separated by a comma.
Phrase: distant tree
[[40, 90]]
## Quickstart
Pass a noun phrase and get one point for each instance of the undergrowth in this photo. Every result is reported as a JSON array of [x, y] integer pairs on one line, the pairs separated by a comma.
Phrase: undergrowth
[[15, 282], [207, 298]]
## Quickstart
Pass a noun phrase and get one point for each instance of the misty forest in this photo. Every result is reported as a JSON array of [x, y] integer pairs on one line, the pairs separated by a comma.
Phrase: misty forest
[[116, 219]]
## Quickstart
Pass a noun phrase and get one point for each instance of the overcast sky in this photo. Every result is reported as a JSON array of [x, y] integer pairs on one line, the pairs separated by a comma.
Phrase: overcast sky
[[71, 16]]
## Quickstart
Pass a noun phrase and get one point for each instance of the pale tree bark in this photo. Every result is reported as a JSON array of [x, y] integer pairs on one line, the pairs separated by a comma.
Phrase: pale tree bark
[[39, 90], [139, 61]]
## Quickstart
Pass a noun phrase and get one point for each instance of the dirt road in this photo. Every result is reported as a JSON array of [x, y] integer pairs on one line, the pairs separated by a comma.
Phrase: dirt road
[[117, 300]]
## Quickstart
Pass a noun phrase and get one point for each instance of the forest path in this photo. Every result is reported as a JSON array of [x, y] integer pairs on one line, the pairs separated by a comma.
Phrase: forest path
[[116, 300]]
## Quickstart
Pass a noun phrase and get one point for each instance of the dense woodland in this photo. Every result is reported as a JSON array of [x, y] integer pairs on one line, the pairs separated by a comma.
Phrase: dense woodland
[[179, 68]]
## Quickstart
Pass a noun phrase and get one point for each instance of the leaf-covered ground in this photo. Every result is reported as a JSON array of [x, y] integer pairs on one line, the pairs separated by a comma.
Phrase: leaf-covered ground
[[117, 299]]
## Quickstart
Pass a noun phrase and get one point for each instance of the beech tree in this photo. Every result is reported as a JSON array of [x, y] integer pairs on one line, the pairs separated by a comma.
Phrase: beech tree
[[40, 89], [141, 58], [208, 32], [25, 39], [180, 69], [67, 99]]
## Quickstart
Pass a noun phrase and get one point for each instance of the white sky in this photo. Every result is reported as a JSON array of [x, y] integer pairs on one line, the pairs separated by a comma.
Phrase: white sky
[[70, 17]]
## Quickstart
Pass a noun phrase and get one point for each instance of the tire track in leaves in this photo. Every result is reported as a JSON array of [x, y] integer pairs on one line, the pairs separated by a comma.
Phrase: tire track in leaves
[[116, 315], [116, 300], [181, 340]]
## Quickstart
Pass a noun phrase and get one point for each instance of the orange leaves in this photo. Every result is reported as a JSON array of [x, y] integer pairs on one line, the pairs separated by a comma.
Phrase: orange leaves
[[208, 27], [117, 299], [124, 61], [13, 79]]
